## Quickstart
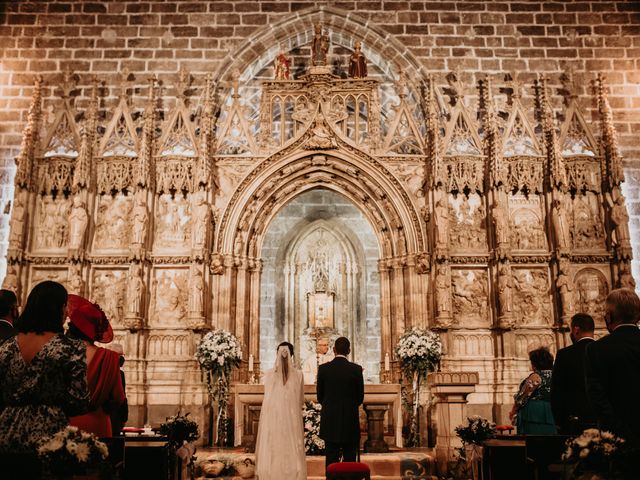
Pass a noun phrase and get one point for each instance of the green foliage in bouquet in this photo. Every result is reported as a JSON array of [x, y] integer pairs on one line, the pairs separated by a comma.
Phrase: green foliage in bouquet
[[73, 452], [476, 431], [179, 429]]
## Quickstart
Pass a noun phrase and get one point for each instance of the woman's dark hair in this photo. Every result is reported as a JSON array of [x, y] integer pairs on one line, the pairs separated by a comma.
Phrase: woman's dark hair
[[75, 332], [44, 310], [288, 345], [541, 359]]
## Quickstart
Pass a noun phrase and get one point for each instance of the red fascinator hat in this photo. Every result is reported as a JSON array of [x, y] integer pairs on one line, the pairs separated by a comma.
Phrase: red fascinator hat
[[89, 319]]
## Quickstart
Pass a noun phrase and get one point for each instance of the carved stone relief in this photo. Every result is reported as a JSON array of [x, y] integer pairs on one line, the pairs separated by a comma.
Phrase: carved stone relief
[[532, 301], [78, 221], [196, 297], [172, 224], [11, 281], [592, 288], [587, 230], [525, 342], [169, 346], [108, 290], [472, 345], [41, 274], [470, 297], [74, 281], [467, 227], [169, 297], [527, 226], [113, 223], [53, 229]]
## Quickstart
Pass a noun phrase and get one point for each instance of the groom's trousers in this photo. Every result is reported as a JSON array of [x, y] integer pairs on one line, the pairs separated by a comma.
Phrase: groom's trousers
[[334, 450]]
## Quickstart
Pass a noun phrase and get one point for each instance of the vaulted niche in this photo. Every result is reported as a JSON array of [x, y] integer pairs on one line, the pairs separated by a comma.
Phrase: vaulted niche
[[320, 269]]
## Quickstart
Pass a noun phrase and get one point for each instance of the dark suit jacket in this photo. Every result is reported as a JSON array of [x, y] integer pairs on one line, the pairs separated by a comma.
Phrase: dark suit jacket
[[6, 331], [613, 381], [568, 390], [340, 392]]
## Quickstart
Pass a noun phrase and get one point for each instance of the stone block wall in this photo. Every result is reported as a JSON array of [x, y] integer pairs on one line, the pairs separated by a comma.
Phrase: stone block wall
[[161, 37]]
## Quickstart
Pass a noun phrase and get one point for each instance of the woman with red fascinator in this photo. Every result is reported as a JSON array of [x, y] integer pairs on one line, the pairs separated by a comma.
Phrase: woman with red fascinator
[[89, 323]]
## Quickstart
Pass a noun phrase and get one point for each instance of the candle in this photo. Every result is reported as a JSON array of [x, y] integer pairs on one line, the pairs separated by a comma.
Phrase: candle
[[387, 367], [251, 362]]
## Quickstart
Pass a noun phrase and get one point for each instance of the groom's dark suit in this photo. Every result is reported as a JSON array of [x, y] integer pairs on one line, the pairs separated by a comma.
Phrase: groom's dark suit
[[340, 392]]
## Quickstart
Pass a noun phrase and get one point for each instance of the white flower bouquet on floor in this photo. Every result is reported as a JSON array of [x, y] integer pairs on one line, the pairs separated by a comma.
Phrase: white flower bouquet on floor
[[313, 444], [72, 451]]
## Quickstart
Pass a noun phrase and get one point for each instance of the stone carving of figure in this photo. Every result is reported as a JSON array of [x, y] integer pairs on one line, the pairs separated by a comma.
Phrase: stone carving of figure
[[217, 264], [135, 287], [11, 279], [75, 279], [78, 220], [500, 218], [282, 66], [357, 63], [560, 224], [441, 219], [505, 290], [443, 293], [321, 137], [565, 286], [626, 279], [17, 220], [619, 218], [201, 218], [196, 290], [319, 47], [140, 220]]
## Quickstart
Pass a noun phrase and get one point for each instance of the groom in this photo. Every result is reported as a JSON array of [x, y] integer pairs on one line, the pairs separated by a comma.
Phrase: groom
[[340, 392]]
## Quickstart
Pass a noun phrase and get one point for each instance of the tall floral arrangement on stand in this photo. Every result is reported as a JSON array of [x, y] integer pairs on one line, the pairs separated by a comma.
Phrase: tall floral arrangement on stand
[[476, 431], [218, 353], [419, 352]]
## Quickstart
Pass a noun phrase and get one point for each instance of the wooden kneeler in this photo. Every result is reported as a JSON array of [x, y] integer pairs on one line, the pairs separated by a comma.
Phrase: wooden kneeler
[[349, 471]]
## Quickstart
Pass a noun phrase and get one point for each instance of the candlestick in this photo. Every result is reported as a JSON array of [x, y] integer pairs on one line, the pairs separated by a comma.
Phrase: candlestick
[[251, 362], [387, 365]]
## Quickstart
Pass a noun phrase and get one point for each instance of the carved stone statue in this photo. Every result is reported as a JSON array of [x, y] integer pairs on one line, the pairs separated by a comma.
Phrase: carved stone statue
[[217, 264], [357, 62], [135, 289], [443, 291], [140, 220], [626, 278], [500, 218], [441, 220], [11, 279], [78, 220], [17, 220], [620, 219], [505, 290], [76, 284], [319, 47], [565, 286], [196, 297], [282, 66], [560, 224], [321, 137], [201, 218]]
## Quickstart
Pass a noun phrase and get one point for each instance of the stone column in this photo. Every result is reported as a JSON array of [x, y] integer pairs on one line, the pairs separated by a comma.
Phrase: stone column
[[375, 429], [449, 409]]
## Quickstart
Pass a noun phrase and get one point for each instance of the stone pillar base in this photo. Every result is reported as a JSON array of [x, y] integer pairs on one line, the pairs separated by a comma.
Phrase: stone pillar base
[[375, 429]]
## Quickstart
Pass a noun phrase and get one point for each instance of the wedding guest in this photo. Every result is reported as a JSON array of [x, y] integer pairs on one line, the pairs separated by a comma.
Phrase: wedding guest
[[612, 366], [8, 314], [571, 408], [89, 324], [44, 374], [120, 415], [532, 407]]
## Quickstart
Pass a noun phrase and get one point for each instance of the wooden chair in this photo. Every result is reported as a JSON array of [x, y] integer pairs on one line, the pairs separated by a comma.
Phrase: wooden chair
[[348, 471]]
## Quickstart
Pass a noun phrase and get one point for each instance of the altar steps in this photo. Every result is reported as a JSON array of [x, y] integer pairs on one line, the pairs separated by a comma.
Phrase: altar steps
[[395, 465]]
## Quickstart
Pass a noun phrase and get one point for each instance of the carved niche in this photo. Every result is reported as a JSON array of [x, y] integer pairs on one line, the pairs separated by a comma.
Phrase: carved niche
[[113, 223], [169, 297], [108, 289], [173, 224], [52, 214], [532, 297], [592, 288], [470, 297], [527, 223], [587, 225], [467, 227]]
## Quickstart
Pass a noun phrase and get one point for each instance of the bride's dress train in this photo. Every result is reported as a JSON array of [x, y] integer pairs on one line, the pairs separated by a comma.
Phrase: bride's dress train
[[280, 452]]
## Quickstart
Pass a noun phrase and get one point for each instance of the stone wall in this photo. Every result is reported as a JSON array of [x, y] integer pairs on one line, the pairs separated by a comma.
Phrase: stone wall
[[161, 37]]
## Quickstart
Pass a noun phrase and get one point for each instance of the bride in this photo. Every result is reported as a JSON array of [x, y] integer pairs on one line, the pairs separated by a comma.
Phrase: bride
[[280, 452]]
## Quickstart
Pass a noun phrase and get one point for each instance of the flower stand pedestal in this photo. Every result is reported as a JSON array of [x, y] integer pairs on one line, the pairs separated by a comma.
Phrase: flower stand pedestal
[[375, 429]]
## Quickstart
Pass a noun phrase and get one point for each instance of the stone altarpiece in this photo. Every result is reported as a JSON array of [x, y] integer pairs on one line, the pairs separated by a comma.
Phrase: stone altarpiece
[[494, 225]]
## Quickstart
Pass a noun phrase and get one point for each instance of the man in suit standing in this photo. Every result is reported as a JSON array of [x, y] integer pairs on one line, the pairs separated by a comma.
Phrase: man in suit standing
[[572, 411], [8, 314], [612, 366], [340, 392]]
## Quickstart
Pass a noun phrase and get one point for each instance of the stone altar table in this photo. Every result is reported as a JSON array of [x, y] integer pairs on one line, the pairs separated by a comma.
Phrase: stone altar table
[[247, 400]]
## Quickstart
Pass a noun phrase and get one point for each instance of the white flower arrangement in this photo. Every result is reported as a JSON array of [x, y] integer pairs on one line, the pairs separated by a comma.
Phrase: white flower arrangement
[[313, 444], [476, 431], [419, 350], [72, 451], [593, 451]]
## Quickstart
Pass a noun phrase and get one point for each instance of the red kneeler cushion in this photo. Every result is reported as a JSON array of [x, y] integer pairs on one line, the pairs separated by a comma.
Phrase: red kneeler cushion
[[348, 470]]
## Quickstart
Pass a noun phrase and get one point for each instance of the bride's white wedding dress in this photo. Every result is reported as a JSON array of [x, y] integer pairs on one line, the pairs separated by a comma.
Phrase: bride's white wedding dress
[[280, 443]]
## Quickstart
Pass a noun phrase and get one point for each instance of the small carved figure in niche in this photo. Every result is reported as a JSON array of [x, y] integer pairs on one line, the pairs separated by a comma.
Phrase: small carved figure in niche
[[565, 286], [11, 279], [626, 279], [441, 220], [560, 222], [196, 290], [282, 66], [135, 287], [319, 47], [423, 263], [76, 284], [500, 218], [505, 290], [78, 220], [619, 218], [443, 293], [357, 62], [140, 219], [321, 138], [201, 218], [217, 265], [17, 220]]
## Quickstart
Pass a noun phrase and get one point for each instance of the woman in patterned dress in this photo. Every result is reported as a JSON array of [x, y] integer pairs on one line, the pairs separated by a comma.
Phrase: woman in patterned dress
[[532, 408], [44, 373]]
